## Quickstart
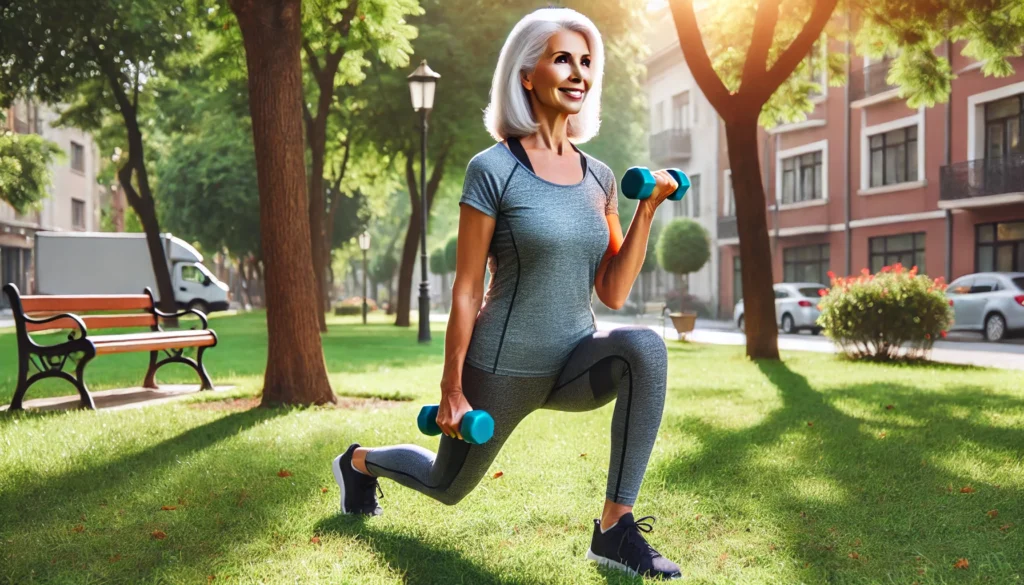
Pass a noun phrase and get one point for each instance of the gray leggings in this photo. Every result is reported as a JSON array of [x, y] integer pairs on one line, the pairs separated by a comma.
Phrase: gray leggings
[[629, 364]]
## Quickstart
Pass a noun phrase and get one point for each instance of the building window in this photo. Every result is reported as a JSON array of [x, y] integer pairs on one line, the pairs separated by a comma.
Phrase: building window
[[806, 264], [999, 247], [907, 249], [802, 178], [77, 157], [679, 209], [681, 111], [1003, 121], [893, 156], [817, 71], [78, 214], [730, 197], [694, 195]]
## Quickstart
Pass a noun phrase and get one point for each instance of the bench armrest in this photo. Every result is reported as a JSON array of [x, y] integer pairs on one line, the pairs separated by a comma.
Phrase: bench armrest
[[78, 321], [202, 317]]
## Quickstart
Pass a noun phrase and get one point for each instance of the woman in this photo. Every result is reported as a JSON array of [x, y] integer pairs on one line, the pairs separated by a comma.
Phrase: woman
[[543, 216]]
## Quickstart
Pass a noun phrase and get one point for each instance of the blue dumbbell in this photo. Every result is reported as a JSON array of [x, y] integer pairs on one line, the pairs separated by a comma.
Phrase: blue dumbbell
[[477, 426], [638, 183]]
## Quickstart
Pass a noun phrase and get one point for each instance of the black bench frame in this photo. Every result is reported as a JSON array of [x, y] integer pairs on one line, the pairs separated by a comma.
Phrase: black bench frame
[[49, 360]]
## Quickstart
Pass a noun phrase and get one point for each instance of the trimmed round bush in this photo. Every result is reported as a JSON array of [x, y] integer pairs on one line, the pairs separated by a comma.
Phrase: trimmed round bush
[[893, 314]]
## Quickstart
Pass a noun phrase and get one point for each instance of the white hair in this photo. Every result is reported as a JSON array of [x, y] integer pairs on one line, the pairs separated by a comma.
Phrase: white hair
[[509, 114]]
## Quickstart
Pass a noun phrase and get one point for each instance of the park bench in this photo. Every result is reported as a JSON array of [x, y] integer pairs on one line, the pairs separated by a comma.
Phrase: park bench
[[33, 314]]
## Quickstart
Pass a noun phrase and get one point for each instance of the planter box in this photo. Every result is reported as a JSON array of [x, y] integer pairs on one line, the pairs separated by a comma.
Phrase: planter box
[[683, 322]]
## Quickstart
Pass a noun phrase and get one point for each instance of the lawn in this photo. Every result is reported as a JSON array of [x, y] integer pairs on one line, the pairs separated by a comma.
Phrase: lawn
[[814, 470]]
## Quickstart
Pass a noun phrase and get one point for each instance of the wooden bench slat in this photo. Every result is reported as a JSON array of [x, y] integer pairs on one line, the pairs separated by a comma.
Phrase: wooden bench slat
[[177, 342], [97, 322], [149, 336], [72, 303]]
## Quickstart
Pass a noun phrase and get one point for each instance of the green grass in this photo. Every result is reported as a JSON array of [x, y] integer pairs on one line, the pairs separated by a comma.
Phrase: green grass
[[763, 473]]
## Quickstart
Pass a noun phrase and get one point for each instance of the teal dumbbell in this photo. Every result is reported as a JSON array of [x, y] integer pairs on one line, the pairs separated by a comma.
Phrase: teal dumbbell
[[638, 183], [477, 426]]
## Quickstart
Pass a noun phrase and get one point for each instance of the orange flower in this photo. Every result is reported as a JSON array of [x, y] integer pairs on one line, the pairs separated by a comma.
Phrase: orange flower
[[886, 268], [865, 271], [943, 334]]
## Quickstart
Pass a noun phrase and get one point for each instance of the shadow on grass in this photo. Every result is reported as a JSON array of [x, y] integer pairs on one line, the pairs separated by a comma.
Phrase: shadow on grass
[[419, 562], [881, 496], [92, 483]]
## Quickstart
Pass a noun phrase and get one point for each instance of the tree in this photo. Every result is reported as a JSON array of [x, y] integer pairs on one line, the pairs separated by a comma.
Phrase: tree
[[25, 169], [336, 33], [98, 58], [683, 247], [751, 65], [271, 33]]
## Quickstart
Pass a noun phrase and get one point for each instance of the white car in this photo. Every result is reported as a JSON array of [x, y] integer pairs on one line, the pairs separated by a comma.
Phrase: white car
[[989, 302], [796, 307]]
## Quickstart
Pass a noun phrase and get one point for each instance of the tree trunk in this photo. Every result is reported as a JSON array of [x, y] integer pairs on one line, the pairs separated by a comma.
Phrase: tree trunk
[[751, 221], [316, 224], [412, 234], [391, 295], [271, 32], [142, 200]]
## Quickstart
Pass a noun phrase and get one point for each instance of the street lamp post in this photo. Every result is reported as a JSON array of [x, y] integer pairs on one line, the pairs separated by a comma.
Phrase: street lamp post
[[421, 89], [364, 245]]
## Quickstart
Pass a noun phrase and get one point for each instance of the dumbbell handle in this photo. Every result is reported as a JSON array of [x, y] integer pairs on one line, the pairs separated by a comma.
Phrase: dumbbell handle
[[639, 182], [477, 426]]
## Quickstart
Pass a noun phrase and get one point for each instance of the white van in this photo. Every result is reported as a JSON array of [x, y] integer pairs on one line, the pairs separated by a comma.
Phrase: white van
[[83, 263]]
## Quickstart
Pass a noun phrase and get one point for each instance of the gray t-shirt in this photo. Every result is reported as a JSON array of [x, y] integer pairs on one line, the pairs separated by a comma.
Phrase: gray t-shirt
[[548, 242]]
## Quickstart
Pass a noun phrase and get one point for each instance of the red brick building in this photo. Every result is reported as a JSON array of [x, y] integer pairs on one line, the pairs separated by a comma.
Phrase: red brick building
[[867, 181]]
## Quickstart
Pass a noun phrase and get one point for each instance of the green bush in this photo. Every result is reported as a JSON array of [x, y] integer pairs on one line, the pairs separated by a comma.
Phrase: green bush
[[895, 313]]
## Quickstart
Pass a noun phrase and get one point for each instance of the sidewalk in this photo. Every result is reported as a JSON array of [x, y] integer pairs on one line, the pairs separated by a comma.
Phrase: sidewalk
[[962, 349]]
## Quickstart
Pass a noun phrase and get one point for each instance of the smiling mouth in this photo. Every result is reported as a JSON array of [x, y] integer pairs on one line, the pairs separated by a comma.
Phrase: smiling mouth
[[572, 92]]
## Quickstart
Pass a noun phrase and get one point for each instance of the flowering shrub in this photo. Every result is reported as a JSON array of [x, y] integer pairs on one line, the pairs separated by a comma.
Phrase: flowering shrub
[[887, 315]]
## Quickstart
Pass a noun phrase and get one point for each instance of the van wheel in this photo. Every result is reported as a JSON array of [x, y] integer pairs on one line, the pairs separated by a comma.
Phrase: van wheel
[[995, 327], [200, 306]]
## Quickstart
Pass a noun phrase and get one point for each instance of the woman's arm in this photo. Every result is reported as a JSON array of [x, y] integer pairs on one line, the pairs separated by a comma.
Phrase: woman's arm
[[625, 256], [475, 231]]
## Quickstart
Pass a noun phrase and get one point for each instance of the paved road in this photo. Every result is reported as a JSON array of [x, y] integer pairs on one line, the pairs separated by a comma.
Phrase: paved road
[[958, 349]]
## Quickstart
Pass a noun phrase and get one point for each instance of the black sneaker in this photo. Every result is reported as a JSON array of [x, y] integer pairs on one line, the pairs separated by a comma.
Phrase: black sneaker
[[358, 490], [623, 547]]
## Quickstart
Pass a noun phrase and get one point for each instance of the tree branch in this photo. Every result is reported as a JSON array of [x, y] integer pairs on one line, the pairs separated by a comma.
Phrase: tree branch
[[765, 20], [311, 59], [344, 24], [797, 50], [697, 56]]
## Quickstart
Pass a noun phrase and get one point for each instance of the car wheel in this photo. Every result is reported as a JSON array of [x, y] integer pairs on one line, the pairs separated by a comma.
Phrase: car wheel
[[787, 324], [200, 306], [995, 327], [739, 323], [815, 330]]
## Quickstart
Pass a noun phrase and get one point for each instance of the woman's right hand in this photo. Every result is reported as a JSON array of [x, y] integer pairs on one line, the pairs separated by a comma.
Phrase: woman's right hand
[[452, 408]]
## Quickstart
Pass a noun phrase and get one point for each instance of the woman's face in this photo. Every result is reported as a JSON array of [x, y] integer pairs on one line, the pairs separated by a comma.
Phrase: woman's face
[[565, 65]]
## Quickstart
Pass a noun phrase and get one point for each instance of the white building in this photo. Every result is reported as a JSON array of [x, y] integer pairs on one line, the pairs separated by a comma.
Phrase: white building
[[684, 134], [74, 196]]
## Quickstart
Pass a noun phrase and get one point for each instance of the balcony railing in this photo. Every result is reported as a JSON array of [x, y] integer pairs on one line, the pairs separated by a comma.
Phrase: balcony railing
[[982, 177], [670, 145], [869, 81], [727, 227]]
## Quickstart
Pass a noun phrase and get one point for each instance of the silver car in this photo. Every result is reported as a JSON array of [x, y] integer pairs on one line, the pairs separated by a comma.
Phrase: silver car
[[796, 307], [989, 302]]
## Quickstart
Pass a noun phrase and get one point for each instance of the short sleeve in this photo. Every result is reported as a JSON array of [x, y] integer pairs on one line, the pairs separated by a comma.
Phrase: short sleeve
[[480, 188], [612, 204]]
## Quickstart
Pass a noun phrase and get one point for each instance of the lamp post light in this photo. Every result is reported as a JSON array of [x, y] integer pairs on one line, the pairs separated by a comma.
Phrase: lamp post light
[[421, 89], [364, 245]]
